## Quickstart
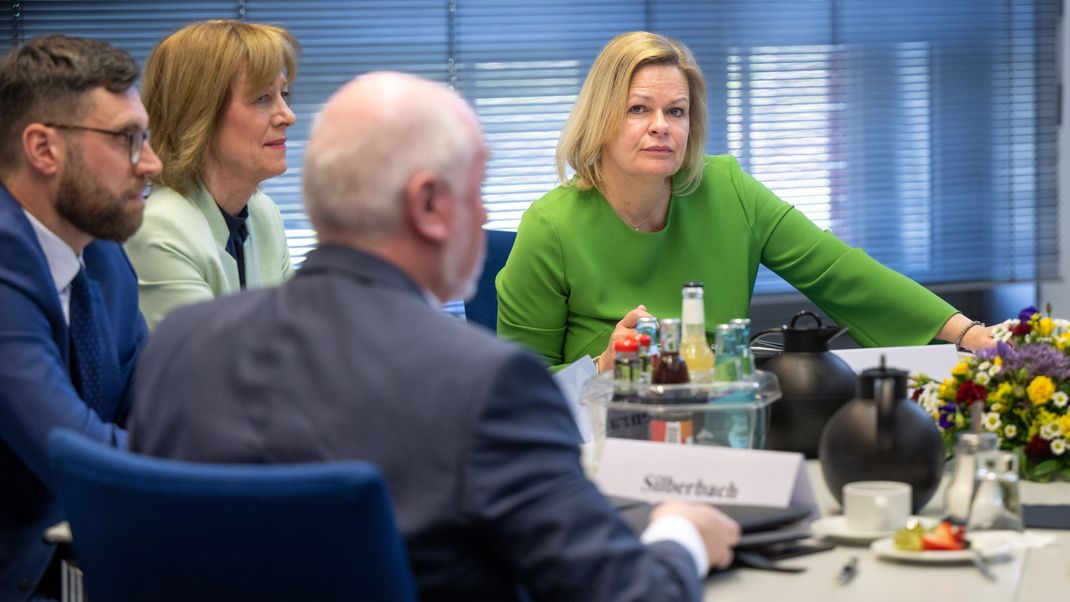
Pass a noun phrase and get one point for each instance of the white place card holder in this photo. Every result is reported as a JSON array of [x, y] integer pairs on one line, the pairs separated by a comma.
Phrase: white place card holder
[[935, 361], [656, 472]]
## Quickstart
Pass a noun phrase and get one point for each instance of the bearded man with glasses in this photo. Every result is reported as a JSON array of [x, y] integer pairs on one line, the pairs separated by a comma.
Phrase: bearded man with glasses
[[74, 165]]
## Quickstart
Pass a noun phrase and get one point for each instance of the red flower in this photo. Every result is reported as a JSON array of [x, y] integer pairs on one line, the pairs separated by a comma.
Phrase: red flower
[[1022, 329], [916, 394], [970, 392], [1037, 449]]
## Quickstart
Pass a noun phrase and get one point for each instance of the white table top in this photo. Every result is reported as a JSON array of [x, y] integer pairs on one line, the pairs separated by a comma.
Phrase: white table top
[[1036, 574]]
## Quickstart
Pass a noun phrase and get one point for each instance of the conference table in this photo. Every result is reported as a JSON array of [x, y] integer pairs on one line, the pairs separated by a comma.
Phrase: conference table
[[1028, 574]]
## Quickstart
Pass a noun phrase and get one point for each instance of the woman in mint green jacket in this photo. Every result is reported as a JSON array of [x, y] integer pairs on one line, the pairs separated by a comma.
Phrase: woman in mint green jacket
[[217, 97], [647, 211]]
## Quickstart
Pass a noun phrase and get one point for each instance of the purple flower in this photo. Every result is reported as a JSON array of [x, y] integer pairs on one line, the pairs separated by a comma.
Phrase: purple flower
[[947, 415], [1027, 313], [1037, 359]]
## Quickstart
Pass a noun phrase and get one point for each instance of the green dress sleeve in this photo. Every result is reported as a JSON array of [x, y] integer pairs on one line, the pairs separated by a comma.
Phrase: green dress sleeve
[[532, 291], [881, 306]]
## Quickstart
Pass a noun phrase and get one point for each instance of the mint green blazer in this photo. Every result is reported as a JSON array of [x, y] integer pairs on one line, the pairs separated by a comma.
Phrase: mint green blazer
[[180, 253]]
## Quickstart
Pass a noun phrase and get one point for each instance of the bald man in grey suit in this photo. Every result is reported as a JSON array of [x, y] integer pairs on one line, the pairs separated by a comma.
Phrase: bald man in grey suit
[[353, 359]]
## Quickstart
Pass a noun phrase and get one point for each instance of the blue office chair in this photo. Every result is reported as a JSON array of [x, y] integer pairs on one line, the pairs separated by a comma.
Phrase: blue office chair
[[483, 308], [152, 529]]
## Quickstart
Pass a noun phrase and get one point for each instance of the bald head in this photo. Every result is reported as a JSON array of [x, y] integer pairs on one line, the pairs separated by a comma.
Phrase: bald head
[[371, 138]]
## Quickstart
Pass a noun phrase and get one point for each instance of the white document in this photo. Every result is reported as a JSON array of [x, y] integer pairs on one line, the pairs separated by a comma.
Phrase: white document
[[570, 380], [935, 361], [655, 472]]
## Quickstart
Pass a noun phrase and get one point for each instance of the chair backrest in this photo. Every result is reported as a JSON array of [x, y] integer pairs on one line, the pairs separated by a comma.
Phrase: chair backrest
[[483, 308], [152, 529]]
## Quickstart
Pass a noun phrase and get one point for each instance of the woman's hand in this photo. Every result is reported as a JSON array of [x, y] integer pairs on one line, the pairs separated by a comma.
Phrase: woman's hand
[[978, 338], [626, 327], [972, 337]]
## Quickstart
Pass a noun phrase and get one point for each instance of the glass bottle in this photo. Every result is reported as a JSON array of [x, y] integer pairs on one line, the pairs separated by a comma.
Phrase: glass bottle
[[671, 368], [626, 423], [671, 426], [694, 347], [741, 326], [647, 326]]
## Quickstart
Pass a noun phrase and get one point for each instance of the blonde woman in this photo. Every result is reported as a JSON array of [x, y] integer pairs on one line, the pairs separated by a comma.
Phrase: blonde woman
[[217, 94], [647, 211]]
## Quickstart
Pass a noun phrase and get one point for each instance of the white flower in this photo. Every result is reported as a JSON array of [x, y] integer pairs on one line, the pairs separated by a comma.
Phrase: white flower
[[1059, 399], [992, 421], [1050, 431], [995, 369], [1010, 431], [983, 366], [982, 378], [930, 397], [1058, 446], [1002, 332]]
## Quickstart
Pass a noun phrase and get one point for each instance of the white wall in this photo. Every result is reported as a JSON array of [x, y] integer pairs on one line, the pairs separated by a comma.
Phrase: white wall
[[1058, 292]]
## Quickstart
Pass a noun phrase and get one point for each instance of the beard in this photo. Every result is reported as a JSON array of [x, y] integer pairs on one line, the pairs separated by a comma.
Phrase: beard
[[89, 206], [463, 280]]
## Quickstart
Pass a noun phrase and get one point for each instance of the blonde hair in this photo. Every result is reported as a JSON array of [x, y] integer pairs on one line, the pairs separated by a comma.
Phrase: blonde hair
[[186, 86], [600, 108]]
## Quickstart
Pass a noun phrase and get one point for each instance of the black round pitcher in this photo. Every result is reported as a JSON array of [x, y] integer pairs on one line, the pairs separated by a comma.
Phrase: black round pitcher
[[814, 383], [882, 436]]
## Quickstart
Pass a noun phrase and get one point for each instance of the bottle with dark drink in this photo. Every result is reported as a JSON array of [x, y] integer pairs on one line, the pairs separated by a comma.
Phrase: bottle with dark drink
[[671, 427], [671, 368]]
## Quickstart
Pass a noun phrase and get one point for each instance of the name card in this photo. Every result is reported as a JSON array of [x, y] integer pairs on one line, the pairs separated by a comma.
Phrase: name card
[[933, 360], [656, 472]]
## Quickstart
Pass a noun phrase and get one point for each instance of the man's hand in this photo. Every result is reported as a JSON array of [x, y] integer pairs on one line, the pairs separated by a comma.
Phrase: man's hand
[[719, 532]]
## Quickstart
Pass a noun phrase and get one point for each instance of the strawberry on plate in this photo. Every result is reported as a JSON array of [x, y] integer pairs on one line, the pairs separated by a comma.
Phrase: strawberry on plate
[[944, 537]]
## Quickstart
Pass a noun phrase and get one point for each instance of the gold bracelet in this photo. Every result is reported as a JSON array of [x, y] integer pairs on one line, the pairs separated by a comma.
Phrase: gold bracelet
[[958, 339]]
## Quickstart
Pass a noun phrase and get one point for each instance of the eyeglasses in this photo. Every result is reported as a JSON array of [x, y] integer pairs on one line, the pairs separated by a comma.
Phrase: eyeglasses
[[135, 139]]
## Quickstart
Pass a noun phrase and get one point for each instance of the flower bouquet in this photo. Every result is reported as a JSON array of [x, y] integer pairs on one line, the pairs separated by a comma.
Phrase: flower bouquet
[[1019, 390]]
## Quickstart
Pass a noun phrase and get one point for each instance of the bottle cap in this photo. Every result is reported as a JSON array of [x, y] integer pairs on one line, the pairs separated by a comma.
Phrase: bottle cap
[[626, 345]]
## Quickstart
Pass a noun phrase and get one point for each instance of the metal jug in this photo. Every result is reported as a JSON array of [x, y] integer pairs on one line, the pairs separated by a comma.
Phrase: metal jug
[[882, 435], [814, 383]]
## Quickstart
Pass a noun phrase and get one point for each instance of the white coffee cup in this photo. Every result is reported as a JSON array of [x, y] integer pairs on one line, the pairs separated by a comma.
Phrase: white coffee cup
[[876, 506]]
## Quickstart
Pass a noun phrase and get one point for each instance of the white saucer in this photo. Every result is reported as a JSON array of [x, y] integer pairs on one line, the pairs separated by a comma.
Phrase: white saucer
[[835, 528], [991, 545]]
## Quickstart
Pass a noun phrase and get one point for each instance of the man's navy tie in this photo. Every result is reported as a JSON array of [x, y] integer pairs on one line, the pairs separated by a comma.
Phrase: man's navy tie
[[89, 354]]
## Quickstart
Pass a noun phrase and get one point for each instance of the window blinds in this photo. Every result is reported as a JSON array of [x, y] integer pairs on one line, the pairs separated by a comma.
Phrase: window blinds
[[923, 132]]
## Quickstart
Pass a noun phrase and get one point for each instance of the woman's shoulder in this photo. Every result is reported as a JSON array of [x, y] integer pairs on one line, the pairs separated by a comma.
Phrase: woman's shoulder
[[563, 204], [167, 205], [721, 166]]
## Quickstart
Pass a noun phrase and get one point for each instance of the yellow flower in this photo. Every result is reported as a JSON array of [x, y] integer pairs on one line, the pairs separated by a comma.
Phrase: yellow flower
[[1045, 326], [948, 389], [960, 369], [1041, 390], [1063, 342], [998, 361]]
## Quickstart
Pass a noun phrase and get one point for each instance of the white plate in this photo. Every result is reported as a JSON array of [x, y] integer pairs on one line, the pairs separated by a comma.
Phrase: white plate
[[991, 545], [835, 528]]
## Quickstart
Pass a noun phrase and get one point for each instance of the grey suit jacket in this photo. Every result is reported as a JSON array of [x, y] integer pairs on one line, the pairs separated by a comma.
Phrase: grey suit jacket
[[349, 361]]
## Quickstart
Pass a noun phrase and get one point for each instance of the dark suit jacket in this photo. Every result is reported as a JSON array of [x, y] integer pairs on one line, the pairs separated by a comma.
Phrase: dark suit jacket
[[349, 360], [36, 393]]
